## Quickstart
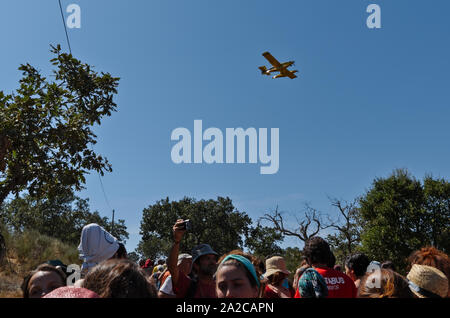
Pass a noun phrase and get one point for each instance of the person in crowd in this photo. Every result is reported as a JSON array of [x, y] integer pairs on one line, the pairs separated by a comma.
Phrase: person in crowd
[[156, 276], [141, 263], [71, 292], [277, 277], [431, 256], [184, 266], [317, 253], [383, 283], [58, 264], [119, 278], [96, 245], [356, 267], [204, 264], [166, 273], [148, 267], [257, 263], [332, 260], [299, 272], [236, 277], [162, 261], [121, 252], [41, 281], [427, 282], [388, 265], [312, 285]]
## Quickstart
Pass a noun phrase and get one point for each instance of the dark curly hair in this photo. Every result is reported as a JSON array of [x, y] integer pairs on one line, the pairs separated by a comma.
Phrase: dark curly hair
[[317, 251], [358, 262]]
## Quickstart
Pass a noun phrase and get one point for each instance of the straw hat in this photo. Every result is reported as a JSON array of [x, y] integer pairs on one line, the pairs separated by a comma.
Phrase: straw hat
[[426, 281], [274, 265]]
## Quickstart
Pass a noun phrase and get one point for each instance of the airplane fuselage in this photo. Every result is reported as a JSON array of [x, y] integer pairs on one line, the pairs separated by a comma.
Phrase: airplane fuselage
[[284, 66]]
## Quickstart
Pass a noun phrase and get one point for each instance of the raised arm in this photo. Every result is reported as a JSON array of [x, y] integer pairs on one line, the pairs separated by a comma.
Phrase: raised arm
[[178, 232]]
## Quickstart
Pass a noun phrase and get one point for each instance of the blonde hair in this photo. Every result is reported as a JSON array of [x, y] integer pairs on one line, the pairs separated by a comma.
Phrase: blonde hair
[[391, 285]]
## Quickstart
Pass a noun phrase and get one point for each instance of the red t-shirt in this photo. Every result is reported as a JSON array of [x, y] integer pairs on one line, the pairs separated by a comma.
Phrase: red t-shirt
[[270, 293], [339, 285], [203, 290]]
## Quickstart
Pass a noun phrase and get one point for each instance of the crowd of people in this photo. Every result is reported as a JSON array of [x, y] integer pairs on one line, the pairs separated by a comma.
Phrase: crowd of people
[[106, 272]]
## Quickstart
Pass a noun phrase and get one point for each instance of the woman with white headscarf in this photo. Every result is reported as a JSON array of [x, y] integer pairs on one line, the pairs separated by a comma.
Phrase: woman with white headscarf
[[96, 245]]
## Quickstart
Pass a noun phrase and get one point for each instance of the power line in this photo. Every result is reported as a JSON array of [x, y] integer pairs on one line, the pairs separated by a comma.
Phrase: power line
[[65, 27], [70, 50], [104, 192], [103, 189]]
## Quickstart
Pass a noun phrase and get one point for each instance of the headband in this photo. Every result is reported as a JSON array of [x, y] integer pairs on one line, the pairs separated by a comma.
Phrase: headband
[[244, 261]]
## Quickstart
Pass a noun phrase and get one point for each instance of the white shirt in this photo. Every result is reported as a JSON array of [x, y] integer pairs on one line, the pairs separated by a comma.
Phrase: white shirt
[[166, 288]]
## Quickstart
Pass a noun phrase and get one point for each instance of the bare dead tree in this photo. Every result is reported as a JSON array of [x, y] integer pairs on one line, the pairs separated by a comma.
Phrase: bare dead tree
[[346, 223], [308, 226]]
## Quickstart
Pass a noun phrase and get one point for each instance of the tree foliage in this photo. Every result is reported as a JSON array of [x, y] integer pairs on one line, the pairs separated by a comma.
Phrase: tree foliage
[[215, 222], [263, 241], [61, 217], [293, 257], [46, 128], [400, 215]]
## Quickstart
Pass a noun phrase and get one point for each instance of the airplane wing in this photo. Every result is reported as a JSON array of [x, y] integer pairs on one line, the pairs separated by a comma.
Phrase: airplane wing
[[290, 74], [272, 60]]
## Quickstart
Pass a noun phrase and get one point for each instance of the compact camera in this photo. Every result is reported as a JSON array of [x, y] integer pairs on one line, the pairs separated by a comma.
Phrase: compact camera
[[187, 225]]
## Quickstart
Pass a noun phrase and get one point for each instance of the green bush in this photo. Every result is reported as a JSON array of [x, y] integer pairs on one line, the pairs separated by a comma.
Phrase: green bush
[[30, 248]]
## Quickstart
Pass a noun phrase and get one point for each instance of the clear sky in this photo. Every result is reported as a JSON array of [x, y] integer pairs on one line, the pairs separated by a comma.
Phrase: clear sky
[[367, 101]]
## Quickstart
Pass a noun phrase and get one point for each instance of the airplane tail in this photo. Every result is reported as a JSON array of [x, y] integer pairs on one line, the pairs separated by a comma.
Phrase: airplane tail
[[263, 70]]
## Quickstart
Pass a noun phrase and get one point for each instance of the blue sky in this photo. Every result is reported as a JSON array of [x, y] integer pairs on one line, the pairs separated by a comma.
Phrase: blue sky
[[365, 103]]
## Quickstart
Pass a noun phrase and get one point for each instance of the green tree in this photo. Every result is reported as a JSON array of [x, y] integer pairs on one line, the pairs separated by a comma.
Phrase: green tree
[[400, 215], [46, 128], [437, 207], [215, 222], [262, 241], [61, 217], [293, 257], [133, 256]]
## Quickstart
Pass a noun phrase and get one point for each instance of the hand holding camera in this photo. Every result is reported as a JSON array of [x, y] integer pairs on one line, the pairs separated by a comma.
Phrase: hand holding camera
[[180, 227]]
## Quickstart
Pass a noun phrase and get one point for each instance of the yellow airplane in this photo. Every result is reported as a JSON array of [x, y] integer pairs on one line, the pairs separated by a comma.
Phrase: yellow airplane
[[277, 67]]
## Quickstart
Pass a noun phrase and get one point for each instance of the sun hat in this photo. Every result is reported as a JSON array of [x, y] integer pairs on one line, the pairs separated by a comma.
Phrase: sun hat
[[427, 282], [182, 257], [274, 265], [200, 250]]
